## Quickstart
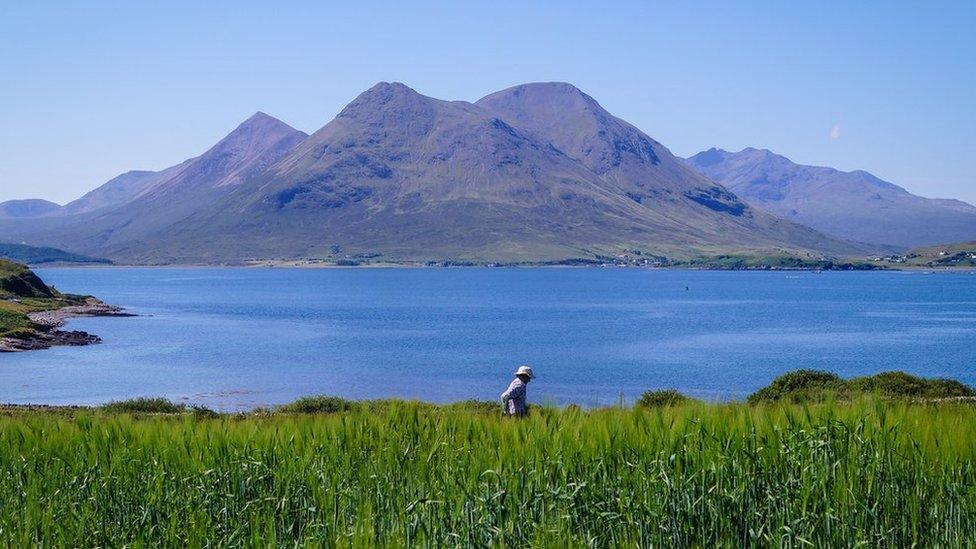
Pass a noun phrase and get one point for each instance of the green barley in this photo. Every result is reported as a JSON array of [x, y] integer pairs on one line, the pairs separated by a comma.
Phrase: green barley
[[867, 472]]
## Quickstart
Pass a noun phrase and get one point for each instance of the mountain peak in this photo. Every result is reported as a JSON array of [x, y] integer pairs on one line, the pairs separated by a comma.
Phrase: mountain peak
[[262, 123], [708, 158], [260, 116], [575, 124], [546, 87], [258, 131], [757, 152], [715, 155], [748, 156], [386, 92], [554, 95], [760, 156], [390, 103], [391, 87], [249, 149]]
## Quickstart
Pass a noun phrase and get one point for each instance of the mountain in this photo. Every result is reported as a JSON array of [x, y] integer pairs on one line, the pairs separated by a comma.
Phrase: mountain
[[850, 205], [415, 178], [32, 207], [691, 208], [133, 214], [404, 177], [116, 191]]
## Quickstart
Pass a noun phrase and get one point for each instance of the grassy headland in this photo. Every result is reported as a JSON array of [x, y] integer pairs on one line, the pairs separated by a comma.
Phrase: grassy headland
[[871, 470], [23, 294]]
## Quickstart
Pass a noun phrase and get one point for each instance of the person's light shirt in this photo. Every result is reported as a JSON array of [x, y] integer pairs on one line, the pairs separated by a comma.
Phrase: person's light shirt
[[513, 399]]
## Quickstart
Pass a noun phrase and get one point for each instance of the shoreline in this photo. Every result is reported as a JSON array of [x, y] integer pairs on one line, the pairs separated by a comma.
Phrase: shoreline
[[47, 327], [284, 265]]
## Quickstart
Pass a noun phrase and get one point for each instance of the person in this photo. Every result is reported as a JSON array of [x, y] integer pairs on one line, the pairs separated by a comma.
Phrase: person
[[513, 399]]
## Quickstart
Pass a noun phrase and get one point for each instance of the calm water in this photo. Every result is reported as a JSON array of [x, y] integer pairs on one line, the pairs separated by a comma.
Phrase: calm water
[[239, 338]]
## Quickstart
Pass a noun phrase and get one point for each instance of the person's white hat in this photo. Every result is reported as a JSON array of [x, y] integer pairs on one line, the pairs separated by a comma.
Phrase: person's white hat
[[524, 370]]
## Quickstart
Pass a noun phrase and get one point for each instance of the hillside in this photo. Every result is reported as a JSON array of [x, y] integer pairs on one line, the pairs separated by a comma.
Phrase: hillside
[[117, 191], [28, 208], [855, 205], [21, 292], [947, 255], [33, 255], [399, 176], [17, 281]]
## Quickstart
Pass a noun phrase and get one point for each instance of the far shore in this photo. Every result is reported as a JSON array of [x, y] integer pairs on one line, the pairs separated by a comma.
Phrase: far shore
[[305, 264]]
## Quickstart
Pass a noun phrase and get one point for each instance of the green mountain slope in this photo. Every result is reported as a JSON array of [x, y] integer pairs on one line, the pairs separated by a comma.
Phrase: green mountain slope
[[948, 255], [34, 255]]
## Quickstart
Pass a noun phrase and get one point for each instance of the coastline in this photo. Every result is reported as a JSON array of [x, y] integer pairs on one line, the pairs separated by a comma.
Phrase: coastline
[[314, 265], [47, 331]]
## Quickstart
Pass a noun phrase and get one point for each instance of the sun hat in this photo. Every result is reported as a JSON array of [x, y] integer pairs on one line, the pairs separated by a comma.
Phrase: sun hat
[[524, 370]]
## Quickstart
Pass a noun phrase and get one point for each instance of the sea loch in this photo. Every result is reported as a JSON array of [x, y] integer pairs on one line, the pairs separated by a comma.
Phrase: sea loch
[[235, 339]]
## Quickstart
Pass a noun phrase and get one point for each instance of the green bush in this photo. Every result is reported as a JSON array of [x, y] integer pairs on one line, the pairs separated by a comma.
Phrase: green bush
[[144, 405], [321, 404], [817, 386], [799, 386], [661, 399], [901, 384]]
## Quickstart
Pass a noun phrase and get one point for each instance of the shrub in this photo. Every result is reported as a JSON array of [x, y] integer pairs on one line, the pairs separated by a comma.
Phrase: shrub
[[815, 386], [661, 399], [800, 386], [321, 404], [901, 384], [144, 405]]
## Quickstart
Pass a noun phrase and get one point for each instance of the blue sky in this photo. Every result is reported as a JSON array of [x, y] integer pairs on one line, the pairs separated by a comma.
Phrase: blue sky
[[93, 89]]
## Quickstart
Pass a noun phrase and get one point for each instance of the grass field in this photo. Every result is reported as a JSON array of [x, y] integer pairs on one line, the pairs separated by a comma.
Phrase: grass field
[[395, 474]]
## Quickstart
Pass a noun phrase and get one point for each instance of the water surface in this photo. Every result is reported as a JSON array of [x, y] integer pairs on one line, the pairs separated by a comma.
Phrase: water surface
[[238, 338]]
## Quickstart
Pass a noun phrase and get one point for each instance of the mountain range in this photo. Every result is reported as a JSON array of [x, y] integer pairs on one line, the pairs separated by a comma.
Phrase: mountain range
[[537, 172], [854, 205]]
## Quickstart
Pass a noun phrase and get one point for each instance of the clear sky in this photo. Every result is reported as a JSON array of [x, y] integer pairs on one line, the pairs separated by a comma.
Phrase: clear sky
[[92, 89]]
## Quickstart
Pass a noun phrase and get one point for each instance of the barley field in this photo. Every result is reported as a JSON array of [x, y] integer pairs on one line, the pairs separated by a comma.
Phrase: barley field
[[407, 474]]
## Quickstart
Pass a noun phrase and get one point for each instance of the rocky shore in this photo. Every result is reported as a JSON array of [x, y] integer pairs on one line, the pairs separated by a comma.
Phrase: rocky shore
[[47, 331]]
